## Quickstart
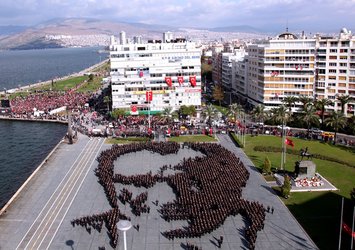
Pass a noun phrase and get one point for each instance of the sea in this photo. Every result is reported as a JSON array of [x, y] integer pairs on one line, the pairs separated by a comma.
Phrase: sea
[[24, 145]]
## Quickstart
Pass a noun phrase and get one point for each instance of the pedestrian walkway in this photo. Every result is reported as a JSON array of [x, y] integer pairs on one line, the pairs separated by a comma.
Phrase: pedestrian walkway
[[281, 230]]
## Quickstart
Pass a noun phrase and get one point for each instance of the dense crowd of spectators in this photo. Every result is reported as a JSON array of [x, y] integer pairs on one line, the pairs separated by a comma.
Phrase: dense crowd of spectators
[[47, 101]]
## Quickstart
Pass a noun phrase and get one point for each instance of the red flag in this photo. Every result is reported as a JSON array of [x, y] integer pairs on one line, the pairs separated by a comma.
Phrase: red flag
[[193, 81], [168, 81], [347, 230], [141, 73], [211, 131], [149, 96], [180, 79], [134, 108], [289, 142]]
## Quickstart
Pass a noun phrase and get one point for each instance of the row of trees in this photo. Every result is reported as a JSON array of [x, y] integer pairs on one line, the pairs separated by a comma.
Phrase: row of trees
[[311, 114]]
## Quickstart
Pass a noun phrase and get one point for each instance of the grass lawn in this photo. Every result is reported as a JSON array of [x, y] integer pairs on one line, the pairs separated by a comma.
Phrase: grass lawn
[[91, 86], [126, 140], [64, 85], [193, 138], [317, 212]]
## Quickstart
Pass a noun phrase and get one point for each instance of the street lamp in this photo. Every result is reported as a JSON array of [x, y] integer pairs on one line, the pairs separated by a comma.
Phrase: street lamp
[[124, 225]]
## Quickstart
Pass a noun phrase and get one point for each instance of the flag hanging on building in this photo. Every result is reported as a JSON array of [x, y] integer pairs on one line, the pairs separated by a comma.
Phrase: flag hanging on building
[[289, 142], [180, 79], [168, 81], [141, 73], [193, 81], [149, 96]]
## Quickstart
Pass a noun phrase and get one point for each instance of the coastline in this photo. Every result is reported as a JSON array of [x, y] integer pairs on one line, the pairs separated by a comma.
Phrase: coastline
[[13, 198], [6, 118], [80, 73]]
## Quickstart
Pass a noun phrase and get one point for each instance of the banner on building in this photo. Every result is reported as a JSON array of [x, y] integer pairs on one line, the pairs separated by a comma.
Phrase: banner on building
[[149, 96], [180, 79], [193, 81], [168, 81]]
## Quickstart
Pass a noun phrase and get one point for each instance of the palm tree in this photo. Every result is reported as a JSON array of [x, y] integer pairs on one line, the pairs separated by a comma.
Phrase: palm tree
[[344, 99], [235, 110], [305, 100], [280, 115], [290, 101], [337, 121], [107, 100], [321, 104], [166, 113], [351, 124], [309, 116], [209, 113], [259, 113]]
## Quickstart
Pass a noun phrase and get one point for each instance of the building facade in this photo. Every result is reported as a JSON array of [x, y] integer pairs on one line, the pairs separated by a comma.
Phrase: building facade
[[318, 67], [154, 75]]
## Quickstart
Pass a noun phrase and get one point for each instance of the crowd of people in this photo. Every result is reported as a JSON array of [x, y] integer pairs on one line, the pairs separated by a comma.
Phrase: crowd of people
[[47, 101], [208, 189]]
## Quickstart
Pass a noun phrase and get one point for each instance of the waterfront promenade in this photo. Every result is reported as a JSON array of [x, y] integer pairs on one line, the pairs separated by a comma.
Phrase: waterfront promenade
[[65, 188]]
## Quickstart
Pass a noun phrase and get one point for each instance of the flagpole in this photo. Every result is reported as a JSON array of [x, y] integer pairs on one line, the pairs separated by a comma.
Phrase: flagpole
[[341, 221], [352, 231]]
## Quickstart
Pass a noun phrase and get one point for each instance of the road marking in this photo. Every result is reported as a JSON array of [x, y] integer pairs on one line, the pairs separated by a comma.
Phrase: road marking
[[62, 185]]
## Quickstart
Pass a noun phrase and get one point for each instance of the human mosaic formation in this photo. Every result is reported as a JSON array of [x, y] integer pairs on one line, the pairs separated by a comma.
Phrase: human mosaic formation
[[208, 189]]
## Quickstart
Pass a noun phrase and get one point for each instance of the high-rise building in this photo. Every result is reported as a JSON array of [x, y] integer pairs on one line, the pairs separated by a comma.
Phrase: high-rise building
[[318, 67], [169, 71]]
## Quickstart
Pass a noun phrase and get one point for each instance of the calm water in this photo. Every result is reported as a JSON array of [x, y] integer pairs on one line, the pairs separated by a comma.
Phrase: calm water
[[23, 146], [23, 67]]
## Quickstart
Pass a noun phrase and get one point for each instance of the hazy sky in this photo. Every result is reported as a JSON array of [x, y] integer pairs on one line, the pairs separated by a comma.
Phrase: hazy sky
[[308, 15]]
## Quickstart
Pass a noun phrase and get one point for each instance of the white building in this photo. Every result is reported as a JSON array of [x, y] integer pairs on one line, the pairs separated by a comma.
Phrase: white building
[[318, 67], [171, 70]]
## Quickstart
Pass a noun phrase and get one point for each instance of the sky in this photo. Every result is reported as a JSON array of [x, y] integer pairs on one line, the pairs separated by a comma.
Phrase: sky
[[307, 15]]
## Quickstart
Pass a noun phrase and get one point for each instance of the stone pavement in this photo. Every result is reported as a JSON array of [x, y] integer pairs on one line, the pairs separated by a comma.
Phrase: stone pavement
[[281, 230]]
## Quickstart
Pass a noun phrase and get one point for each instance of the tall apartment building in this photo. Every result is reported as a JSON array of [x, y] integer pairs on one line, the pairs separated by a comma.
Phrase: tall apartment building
[[319, 67], [154, 75]]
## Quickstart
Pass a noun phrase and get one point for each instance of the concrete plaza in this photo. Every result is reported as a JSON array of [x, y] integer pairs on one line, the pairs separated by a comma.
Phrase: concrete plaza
[[281, 230]]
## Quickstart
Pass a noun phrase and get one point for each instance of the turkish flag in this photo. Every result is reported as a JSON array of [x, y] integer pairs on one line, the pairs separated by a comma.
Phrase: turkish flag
[[347, 230], [168, 81], [134, 109], [289, 142], [141, 73], [180, 79], [193, 81], [149, 96]]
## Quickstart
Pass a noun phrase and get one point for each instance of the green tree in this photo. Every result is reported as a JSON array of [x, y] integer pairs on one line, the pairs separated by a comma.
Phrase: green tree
[[286, 187], [107, 100], [166, 115], [259, 113], [267, 165], [337, 120], [310, 117], [280, 115], [235, 111], [305, 100], [117, 113], [343, 99], [209, 113], [351, 124], [91, 77], [289, 102], [218, 93], [320, 105]]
